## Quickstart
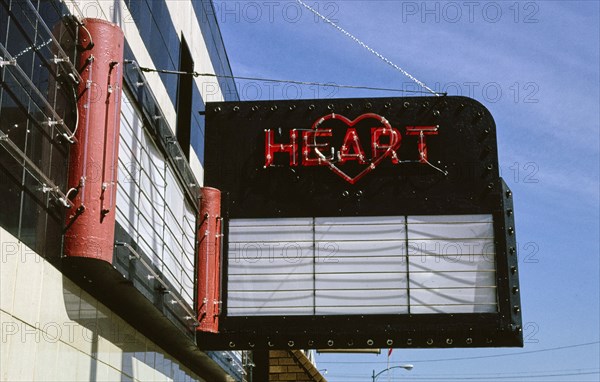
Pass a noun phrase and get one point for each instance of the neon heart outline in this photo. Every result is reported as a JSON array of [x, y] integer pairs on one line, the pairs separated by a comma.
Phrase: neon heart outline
[[351, 123]]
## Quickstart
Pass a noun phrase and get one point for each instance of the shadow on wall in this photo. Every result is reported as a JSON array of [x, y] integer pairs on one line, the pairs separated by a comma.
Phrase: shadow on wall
[[117, 351]]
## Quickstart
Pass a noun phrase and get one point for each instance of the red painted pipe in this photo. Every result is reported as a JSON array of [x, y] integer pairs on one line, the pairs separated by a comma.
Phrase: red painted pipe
[[94, 157], [209, 260]]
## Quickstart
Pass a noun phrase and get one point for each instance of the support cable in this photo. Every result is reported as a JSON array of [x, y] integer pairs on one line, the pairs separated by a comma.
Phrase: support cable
[[373, 51], [322, 84]]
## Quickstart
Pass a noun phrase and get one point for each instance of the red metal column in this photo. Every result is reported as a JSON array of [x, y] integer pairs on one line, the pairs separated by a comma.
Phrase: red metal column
[[209, 260], [93, 159]]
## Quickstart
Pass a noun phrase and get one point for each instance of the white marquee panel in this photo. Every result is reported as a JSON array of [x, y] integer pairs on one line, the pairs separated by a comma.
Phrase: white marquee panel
[[362, 265]]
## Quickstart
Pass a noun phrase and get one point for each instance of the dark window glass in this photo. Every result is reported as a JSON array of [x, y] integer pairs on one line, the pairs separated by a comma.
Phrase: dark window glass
[[10, 193], [35, 92], [184, 98], [162, 42]]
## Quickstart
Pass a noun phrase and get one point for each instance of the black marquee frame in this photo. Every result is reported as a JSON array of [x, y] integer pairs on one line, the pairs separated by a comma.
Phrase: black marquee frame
[[465, 147]]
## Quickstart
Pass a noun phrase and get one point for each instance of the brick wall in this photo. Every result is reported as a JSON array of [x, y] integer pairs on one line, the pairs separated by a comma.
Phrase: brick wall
[[292, 365]]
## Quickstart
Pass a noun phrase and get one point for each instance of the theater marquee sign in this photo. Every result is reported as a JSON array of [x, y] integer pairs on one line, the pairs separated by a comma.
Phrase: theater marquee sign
[[358, 223]]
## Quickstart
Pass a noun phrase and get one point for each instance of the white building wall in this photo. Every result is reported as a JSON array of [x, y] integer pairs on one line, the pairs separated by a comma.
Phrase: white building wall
[[184, 17], [49, 328], [52, 330]]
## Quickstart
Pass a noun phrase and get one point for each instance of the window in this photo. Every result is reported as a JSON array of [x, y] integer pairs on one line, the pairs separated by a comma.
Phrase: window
[[184, 98], [151, 205], [37, 107]]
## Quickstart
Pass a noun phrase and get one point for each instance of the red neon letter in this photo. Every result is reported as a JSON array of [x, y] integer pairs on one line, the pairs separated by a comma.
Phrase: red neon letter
[[311, 149], [383, 149], [351, 141], [271, 148], [422, 131]]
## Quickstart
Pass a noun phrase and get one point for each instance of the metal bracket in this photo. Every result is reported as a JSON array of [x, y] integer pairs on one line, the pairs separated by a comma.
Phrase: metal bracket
[[51, 122], [162, 284], [57, 60], [7, 62]]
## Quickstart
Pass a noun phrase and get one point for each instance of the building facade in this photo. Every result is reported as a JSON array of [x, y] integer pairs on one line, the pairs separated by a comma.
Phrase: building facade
[[113, 252], [74, 305]]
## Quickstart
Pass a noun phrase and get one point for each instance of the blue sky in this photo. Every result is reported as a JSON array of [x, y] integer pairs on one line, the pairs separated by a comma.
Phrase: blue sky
[[535, 66]]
